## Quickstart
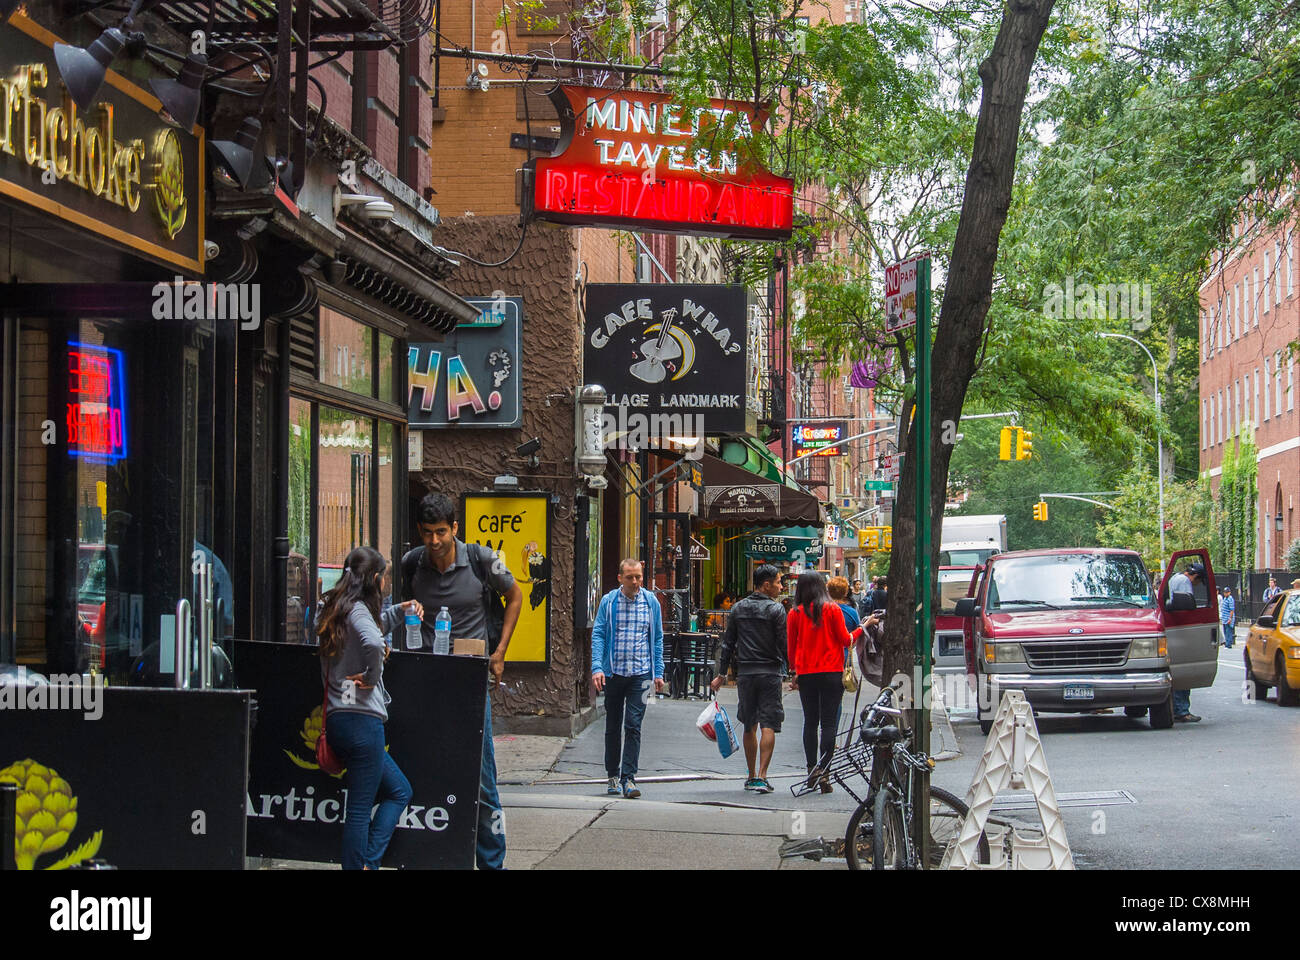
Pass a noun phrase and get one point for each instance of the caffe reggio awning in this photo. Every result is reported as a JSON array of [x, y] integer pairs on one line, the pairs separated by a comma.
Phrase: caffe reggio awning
[[735, 497]]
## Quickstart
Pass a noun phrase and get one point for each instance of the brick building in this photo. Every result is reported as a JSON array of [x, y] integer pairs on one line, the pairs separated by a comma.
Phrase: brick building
[[1250, 328]]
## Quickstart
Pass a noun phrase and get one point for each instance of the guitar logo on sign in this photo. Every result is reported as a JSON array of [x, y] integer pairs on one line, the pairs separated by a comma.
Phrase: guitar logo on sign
[[660, 355]]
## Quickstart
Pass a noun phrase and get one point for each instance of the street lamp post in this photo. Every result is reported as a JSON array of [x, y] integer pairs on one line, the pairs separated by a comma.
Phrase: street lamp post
[[1160, 456]]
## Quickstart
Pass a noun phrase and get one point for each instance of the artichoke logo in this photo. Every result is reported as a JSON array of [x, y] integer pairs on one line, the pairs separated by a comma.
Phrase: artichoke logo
[[310, 732], [47, 815], [169, 182]]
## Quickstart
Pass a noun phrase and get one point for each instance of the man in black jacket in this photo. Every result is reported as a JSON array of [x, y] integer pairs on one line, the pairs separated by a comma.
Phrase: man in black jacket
[[754, 643]]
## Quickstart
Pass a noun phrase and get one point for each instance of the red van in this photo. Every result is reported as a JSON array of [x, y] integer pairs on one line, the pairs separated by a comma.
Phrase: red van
[[1079, 629]]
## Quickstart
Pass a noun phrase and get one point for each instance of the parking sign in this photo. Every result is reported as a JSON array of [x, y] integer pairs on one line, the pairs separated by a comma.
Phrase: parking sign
[[900, 293]]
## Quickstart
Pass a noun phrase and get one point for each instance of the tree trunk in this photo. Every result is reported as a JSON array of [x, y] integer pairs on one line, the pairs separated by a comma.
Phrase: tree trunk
[[960, 329]]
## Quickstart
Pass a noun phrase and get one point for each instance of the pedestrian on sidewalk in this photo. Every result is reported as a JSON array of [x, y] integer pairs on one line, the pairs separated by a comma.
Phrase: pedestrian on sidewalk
[[351, 628], [754, 643], [857, 595], [1185, 582], [816, 638], [1272, 590], [627, 651], [471, 582], [1228, 617], [838, 588]]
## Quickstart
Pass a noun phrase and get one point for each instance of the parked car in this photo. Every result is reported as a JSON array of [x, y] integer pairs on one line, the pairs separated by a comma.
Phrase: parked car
[[1273, 649], [1081, 629], [948, 653]]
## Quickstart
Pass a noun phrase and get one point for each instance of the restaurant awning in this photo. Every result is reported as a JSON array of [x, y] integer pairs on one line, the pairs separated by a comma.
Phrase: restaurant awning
[[734, 497]]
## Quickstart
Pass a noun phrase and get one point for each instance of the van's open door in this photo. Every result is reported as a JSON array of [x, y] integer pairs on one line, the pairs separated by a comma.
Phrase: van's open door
[[1192, 636], [968, 629]]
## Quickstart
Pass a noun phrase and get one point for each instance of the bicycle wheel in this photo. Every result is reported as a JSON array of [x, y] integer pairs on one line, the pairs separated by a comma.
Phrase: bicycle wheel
[[947, 814], [888, 839], [857, 839]]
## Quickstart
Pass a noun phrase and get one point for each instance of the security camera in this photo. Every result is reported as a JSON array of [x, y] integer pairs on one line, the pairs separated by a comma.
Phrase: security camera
[[529, 448], [379, 211], [342, 200]]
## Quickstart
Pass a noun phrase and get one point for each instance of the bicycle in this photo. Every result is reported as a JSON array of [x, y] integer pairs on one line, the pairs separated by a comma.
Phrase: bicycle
[[879, 831]]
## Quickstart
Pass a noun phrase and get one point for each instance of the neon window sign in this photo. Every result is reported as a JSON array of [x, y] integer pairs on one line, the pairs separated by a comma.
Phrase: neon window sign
[[96, 415]]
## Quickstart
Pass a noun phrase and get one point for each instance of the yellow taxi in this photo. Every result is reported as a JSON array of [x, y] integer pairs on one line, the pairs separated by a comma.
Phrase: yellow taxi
[[1273, 649]]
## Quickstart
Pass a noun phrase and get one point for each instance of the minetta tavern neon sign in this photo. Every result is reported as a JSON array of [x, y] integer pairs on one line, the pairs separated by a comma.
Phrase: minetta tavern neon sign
[[635, 159]]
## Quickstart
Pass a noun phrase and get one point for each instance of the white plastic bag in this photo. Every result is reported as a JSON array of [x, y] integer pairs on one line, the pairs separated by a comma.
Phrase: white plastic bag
[[705, 721]]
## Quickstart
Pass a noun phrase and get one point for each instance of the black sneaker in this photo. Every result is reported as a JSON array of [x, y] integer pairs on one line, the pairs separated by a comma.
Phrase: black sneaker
[[1187, 718]]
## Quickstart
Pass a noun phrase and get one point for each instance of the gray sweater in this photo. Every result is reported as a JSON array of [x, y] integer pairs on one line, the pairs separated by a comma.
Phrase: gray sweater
[[363, 652]]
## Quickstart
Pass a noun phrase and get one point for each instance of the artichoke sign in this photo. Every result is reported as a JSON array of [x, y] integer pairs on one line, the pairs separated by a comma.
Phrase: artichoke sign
[[310, 732], [169, 183], [47, 815]]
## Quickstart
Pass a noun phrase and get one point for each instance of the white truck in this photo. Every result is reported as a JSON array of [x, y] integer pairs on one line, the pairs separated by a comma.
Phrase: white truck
[[971, 540]]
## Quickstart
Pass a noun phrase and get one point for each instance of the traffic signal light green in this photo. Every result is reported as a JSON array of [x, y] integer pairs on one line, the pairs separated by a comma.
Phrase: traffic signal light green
[[1025, 449], [1007, 445]]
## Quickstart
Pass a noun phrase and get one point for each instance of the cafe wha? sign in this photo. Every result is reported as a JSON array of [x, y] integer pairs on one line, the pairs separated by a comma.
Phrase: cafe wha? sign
[[630, 158]]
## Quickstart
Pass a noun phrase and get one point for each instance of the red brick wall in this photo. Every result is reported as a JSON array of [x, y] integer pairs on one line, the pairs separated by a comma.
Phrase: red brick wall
[[1240, 348]]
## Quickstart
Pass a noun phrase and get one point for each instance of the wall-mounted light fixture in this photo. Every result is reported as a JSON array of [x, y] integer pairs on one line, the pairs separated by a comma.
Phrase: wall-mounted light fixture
[[588, 432]]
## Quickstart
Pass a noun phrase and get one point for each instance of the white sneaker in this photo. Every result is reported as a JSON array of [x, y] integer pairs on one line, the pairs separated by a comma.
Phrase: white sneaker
[[613, 789]]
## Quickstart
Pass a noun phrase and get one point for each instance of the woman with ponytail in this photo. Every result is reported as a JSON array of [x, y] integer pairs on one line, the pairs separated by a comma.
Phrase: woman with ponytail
[[817, 637], [351, 628]]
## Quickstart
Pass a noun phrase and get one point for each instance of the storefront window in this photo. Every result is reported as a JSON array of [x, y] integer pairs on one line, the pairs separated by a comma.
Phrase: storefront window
[[112, 481], [387, 383], [302, 452], [346, 353], [343, 501], [384, 488]]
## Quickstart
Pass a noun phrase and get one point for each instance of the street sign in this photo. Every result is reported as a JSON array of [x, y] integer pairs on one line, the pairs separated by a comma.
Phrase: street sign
[[878, 485], [900, 293]]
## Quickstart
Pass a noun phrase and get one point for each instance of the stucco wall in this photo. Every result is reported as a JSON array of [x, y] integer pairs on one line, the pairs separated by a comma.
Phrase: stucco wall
[[467, 460]]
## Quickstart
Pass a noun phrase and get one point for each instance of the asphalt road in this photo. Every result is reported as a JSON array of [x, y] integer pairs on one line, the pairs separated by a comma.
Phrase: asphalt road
[[1222, 793]]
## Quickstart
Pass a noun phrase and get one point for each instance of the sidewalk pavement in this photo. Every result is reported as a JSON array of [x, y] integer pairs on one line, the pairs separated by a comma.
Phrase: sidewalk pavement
[[693, 812]]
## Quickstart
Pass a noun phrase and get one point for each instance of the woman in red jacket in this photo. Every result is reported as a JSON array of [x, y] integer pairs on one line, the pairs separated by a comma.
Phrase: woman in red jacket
[[815, 640]]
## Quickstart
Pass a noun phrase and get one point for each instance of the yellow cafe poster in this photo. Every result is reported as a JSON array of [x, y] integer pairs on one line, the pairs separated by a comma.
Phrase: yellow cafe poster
[[517, 528]]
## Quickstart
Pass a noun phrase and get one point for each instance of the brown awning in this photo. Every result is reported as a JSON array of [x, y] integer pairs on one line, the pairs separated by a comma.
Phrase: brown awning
[[734, 497]]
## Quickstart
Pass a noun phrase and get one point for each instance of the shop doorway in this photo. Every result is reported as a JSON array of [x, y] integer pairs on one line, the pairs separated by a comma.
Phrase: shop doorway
[[116, 457]]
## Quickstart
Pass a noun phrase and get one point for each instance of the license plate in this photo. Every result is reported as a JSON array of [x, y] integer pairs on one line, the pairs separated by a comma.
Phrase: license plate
[[1078, 691]]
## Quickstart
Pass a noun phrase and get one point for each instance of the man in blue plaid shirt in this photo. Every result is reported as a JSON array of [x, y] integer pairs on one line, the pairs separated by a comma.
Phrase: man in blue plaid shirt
[[627, 650]]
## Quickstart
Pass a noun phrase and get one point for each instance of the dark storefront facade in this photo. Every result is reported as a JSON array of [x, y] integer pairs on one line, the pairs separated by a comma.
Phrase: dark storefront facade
[[197, 372]]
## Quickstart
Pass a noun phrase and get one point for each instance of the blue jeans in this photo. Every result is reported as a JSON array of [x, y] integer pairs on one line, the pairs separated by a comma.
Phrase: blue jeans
[[358, 741], [1229, 633], [624, 710], [1182, 702], [490, 850]]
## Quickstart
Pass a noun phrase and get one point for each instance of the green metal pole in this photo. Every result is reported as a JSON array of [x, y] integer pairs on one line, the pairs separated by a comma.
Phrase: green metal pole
[[924, 630]]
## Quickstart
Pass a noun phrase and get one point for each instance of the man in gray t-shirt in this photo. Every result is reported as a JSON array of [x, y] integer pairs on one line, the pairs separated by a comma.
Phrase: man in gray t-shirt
[[444, 577]]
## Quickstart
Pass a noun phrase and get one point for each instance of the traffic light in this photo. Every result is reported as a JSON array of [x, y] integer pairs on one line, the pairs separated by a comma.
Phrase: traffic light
[[1005, 449], [1025, 449], [1040, 511]]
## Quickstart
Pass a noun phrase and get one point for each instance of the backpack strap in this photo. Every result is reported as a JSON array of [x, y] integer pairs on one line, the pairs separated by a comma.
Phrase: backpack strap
[[409, 564]]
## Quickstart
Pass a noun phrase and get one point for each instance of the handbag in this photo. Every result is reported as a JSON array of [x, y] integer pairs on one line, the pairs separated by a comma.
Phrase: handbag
[[850, 677], [325, 758]]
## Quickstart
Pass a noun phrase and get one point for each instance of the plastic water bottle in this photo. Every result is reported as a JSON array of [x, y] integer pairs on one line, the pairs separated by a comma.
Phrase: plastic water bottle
[[414, 639], [442, 632]]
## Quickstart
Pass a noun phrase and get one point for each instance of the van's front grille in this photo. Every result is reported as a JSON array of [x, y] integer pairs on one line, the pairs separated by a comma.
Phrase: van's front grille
[[1084, 653]]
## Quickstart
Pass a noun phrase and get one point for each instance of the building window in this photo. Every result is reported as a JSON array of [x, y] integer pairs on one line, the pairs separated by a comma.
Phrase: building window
[[1290, 259], [1277, 271], [1266, 272], [1205, 422], [1277, 386], [1267, 377], [1290, 383]]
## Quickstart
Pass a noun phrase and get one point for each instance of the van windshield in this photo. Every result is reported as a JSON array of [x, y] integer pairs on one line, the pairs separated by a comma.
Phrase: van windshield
[[952, 587], [965, 556], [1070, 581]]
